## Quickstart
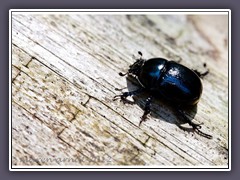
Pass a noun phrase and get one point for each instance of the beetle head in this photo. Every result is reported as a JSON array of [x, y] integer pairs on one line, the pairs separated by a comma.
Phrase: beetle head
[[135, 68]]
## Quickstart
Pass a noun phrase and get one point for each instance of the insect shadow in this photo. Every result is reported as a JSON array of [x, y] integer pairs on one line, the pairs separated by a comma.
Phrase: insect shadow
[[160, 108]]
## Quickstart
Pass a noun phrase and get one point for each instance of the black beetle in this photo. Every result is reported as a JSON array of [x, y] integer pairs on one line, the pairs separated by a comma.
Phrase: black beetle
[[177, 84]]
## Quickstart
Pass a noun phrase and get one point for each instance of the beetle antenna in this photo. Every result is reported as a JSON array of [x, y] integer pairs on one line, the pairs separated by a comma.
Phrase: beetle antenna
[[140, 53], [123, 74]]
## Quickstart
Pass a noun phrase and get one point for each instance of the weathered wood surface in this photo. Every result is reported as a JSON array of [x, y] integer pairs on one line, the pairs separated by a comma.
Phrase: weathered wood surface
[[64, 74]]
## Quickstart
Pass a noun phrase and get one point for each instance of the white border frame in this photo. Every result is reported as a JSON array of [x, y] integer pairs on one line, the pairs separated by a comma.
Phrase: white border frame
[[120, 11]]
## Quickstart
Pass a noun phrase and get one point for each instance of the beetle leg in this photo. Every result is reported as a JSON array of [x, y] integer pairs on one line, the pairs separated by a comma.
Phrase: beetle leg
[[196, 127], [124, 95], [201, 75], [184, 117], [146, 109], [120, 89]]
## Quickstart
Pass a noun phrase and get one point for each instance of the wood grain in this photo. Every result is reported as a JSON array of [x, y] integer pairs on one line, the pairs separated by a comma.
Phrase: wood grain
[[64, 74]]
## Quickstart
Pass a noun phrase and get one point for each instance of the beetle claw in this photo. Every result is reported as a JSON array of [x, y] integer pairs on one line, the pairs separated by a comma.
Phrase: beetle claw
[[143, 119], [198, 126], [203, 134], [123, 99], [116, 97]]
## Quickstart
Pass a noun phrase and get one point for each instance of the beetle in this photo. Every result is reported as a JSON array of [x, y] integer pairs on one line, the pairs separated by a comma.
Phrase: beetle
[[177, 84]]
